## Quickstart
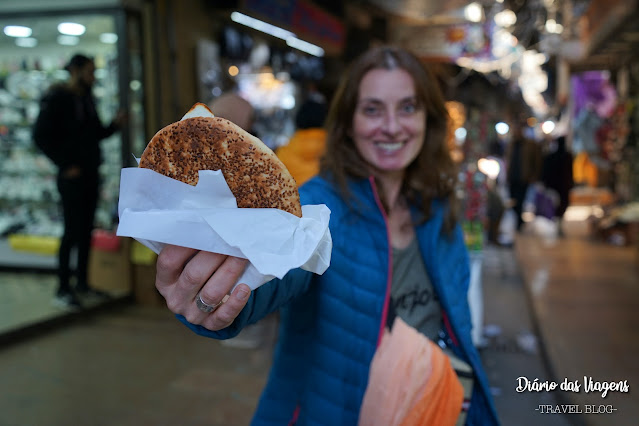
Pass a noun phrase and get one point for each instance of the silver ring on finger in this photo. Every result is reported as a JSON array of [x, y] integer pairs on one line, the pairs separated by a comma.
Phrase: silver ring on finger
[[203, 306]]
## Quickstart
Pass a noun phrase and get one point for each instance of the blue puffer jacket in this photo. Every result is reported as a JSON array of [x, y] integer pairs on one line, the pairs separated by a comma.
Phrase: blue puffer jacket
[[331, 324]]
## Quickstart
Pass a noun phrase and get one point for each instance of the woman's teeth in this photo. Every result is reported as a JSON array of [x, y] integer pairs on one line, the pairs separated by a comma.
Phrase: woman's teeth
[[390, 146]]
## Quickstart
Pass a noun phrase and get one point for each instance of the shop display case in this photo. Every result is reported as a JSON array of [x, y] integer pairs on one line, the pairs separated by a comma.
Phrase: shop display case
[[29, 200]]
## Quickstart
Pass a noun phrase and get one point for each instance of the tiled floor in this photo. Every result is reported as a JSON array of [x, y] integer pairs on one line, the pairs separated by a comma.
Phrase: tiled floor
[[136, 365], [26, 299], [585, 296], [131, 366]]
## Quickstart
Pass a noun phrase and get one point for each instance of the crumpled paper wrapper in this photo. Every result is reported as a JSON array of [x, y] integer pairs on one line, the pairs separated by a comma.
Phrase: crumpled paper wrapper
[[157, 210]]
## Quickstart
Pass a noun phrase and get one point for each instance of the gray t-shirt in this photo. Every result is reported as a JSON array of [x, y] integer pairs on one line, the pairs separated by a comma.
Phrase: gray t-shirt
[[413, 297]]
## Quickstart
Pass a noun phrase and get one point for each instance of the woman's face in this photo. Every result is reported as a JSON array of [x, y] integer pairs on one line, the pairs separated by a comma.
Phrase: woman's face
[[389, 124]]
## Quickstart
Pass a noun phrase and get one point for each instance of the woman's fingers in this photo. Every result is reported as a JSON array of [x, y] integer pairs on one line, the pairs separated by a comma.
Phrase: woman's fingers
[[206, 279], [199, 269], [170, 264], [226, 313], [188, 278], [223, 280]]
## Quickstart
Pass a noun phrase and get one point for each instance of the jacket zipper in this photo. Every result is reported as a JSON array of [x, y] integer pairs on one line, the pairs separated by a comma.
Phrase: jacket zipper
[[449, 328], [389, 279]]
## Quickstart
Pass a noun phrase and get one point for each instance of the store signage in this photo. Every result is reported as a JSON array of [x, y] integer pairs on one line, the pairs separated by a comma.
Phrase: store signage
[[303, 18]]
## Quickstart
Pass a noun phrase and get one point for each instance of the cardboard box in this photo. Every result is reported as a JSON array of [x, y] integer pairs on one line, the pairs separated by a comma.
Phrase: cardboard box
[[144, 290], [142, 255], [110, 270]]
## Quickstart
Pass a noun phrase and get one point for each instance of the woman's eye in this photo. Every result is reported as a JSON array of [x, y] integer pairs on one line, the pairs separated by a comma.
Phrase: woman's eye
[[371, 110], [408, 108]]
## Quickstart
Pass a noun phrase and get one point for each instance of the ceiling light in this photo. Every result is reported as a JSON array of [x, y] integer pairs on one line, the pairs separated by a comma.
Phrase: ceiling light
[[506, 18], [71, 28], [547, 127], [262, 26], [553, 27], [460, 135], [109, 38], [290, 38], [17, 31], [474, 12], [502, 128], [305, 46], [26, 42], [68, 40], [489, 167]]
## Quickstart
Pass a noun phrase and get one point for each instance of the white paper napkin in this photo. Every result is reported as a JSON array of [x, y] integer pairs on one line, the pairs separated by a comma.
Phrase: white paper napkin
[[157, 210]]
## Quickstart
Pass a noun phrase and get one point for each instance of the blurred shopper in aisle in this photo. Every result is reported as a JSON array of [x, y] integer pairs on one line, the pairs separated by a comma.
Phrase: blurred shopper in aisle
[[302, 153], [497, 198], [68, 130], [398, 250], [234, 108], [523, 161], [557, 175]]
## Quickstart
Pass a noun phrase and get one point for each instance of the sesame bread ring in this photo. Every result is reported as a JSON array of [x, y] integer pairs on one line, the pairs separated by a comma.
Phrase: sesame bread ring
[[253, 173]]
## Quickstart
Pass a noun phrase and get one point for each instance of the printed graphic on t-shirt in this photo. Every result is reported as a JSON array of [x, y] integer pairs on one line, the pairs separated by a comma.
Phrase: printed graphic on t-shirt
[[412, 295]]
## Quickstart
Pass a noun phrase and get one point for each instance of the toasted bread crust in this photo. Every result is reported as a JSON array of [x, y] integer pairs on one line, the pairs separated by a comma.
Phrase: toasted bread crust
[[254, 174]]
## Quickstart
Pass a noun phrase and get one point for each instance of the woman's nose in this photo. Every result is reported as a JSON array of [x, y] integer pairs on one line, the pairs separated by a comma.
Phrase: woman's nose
[[391, 124]]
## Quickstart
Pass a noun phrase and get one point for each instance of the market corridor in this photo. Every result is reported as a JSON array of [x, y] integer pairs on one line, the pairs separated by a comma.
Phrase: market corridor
[[128, 364]]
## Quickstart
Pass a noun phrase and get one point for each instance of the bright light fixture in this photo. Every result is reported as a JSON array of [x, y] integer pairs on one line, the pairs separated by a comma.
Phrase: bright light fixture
[[17, 31], [290, 38], [460, 135], [26, 42], [489, 167], [506, 18], [502, 128], [305, 46], [135, 85], [67, 40], [109, 38], [553, 27], [548, 126], [474, 12], [71, 28], [288, 102], [262, 26]]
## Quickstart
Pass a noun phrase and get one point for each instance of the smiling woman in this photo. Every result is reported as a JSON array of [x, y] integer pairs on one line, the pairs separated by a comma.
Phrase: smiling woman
[[388, 179]]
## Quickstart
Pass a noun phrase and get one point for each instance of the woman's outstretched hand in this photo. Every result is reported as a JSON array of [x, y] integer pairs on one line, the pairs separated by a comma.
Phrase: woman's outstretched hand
[[184, 274]]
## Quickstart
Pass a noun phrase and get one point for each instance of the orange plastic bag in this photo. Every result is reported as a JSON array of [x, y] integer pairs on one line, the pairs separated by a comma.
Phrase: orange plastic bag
[[411, 382]]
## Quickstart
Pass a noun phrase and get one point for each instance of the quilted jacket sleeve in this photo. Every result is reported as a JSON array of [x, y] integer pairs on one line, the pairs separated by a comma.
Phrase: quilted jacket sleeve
[[264, 300]]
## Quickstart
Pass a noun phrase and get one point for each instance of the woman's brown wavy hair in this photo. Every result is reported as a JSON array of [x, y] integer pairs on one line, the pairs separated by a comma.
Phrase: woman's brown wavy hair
[[433, 173]]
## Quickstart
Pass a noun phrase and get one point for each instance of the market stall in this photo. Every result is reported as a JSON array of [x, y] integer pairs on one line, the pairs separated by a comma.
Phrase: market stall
[[33, 51]]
